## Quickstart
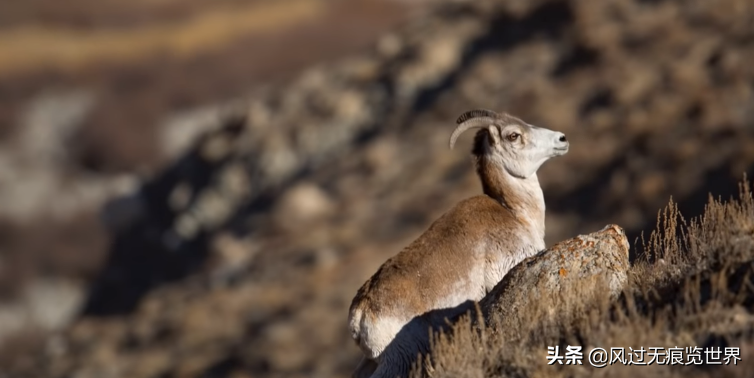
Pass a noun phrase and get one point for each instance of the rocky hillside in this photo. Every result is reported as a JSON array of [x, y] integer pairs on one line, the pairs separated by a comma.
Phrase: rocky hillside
[[239, 256]]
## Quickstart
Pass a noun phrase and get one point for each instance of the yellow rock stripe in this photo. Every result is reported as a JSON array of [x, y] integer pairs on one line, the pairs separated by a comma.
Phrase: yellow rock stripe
[[29, 47]]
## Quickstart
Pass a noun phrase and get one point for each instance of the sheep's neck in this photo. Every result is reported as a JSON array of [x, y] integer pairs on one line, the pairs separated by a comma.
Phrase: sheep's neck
[[523, 196]]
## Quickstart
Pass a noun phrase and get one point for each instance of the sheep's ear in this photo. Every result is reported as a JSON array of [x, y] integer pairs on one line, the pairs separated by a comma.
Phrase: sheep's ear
[[493, 135]]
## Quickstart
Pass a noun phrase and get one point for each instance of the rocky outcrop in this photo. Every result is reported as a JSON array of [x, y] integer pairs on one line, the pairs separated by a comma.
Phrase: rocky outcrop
[[561, 282]]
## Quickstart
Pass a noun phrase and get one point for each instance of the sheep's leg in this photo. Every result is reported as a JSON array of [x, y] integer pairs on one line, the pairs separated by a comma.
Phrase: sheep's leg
[[365, 368]]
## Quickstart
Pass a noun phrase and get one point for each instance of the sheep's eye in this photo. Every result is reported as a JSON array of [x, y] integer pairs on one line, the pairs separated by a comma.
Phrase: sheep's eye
[[513, 136]]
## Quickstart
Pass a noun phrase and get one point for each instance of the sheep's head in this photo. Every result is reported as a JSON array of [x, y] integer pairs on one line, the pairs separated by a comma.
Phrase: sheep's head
[[517, 146]]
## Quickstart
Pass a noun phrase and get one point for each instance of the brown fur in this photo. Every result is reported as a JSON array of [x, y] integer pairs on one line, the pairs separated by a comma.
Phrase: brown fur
[[412, 274]]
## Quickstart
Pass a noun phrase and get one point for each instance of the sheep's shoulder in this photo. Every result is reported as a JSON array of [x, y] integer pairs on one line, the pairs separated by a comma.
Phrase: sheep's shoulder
[[450, 251]]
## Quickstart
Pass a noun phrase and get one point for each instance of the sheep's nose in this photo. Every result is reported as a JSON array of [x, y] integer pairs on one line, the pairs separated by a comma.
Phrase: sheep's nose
[[562, 138]]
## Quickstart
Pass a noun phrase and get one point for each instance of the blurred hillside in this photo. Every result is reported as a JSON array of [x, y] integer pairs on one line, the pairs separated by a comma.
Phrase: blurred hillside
[[198, 188], [89, 93]]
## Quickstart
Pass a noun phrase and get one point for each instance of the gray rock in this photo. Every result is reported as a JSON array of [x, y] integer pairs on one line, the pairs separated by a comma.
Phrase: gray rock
[[561, 281], [44, 304]]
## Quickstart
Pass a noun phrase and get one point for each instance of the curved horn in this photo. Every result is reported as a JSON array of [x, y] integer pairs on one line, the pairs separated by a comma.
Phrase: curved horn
[[472, 119]]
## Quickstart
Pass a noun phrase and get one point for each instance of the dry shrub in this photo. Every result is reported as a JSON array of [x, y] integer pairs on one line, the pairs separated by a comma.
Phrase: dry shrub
[[691, 285]]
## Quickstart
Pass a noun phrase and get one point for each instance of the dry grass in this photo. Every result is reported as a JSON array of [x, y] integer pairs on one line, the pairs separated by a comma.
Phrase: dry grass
[[690, 286]]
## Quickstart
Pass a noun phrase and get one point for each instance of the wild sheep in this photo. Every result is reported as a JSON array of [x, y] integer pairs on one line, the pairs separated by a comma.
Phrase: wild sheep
[[465, 252]]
